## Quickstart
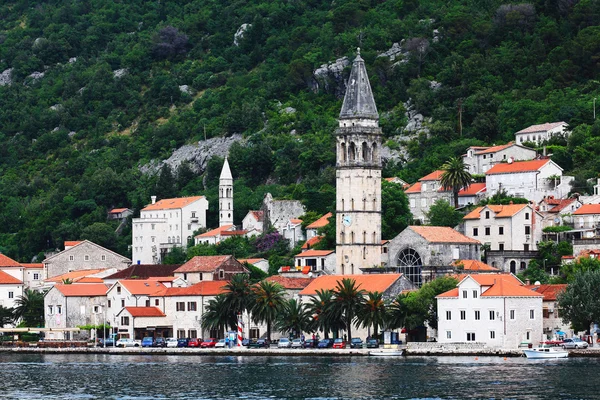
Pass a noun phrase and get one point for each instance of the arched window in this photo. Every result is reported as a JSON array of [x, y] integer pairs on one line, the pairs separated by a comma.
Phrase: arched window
[[523, 265], [221, 192], [374, 204], [374, 152], [365, 152], [364, 237], [513, 267], [410, 264], [178, 239], [343, 238], [169, 239], [364, 252], [352, 205], [352, 152], [364, 203], [374, 237], [342, 205], [343, 151], [352, 237]]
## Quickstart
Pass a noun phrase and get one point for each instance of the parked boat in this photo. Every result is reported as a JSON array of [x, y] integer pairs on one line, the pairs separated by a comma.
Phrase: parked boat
[[386, 352], [546, 352]]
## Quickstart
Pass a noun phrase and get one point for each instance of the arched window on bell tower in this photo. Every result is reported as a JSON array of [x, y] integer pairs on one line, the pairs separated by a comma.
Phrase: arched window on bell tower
[[352, 205], [364, 237], [343, 152], [365, 152], [352, 237], [374, 153], [352, 152], [343, 237], [343, 205]]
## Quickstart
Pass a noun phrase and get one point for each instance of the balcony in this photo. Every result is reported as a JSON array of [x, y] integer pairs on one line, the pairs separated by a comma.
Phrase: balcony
[[512, 253]]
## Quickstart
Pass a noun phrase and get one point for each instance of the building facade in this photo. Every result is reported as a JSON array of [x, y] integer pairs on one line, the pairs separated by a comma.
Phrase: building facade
[[225, 196], [480, 159], [543, 132]]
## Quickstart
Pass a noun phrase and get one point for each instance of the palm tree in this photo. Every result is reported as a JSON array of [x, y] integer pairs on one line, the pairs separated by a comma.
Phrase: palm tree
[[30, 308], [320, 308], [293, 317], [373, 312], [217, 315], [396, 313], [455, 177], [6, 316], [238, 294], [347, 300], [268, 301]]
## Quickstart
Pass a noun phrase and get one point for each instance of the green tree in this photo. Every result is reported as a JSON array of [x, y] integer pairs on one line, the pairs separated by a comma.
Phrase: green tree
[[455, 176], [238, 295], [397, 312], [579, 304], [395, 213], [534, 273], [294, 318], [177, 255], [582, 264], [268, 302], [421, 305], [6, 316], [217, 314], [373, 312], [320, 308], [347, 300], [101, 233], [29, 309], [441, 213]]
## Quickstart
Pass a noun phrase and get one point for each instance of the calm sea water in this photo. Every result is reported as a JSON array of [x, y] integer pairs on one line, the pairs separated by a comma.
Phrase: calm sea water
[[227, 377]]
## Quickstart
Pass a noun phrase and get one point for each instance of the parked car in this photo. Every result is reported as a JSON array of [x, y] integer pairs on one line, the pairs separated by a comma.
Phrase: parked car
[[221, 344], [108, 342], [325, 343], [284, 343], [372, 344], [182, 342], [310, 343], [147, 341], [128, 342], [339, 344], [194, 342], [260, 343], [297, 344], [208, 343], [159, 342], [356, 343], [245, 342], [171, 342], [574, 343]]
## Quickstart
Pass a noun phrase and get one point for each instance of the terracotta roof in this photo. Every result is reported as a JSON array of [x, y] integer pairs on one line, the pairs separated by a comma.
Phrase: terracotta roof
[[33, 265], [384, 241], [251, 260], [368, 282], [82, 290], [449, 293], [162, 278], [500, 285], [73, 275], [314, 253], [145, 312], [295, 221], [169, 204], [442, 234], [563, 203], [203, 264], [290, 283], [587, 209], [8, 262], [71, 243], [542, 127], [117, 210], [89, 279], [517, 166], [216, 231], [500, 211], [415, 188], [141, 287], [434, 176], [311, 242], [7, 279], [321, 222], [258, 215], [504, 288], [474, 265], [472, 189], [204, 288], [549, 291], [494, 149], [144, 271], [240, 232]]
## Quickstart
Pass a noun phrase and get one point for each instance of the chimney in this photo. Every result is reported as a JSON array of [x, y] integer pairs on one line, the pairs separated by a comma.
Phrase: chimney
[[153, 199], [527, 282]]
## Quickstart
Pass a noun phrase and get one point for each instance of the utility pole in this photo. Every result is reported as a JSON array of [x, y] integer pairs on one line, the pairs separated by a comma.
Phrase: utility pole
[[594, 108], [460, 117]]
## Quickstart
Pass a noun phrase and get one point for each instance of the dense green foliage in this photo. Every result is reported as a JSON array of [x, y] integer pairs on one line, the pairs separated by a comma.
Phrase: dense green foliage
[[441, 213], [579, 303], [74, 138]]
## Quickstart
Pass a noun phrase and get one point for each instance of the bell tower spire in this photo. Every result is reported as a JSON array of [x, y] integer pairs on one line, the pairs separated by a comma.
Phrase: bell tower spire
[[225, 195]]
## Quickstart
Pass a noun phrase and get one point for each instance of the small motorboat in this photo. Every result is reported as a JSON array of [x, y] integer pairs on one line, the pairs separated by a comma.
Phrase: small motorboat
[[546, 352], [386, 352]]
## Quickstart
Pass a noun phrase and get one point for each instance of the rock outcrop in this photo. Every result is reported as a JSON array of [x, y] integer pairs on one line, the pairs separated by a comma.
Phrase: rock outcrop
[[239, 34], [6, 77], [330, 77]]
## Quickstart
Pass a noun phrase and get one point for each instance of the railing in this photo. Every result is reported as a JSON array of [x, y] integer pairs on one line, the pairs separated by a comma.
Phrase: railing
[[512, 253], [584, 242]]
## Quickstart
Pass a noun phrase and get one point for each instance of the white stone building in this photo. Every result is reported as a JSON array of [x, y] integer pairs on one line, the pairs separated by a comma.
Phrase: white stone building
[[532, 180], [260, 263], [139, 322], [253, 221], [312, 229], [480, 159], [558, 212], [209, 268], [494, 309], [166, 224], [587, 217], [225, 196], [277, 213], [213, 236], [293, 232], [543, 132], [10, 289], [30, 275], [316, 261]]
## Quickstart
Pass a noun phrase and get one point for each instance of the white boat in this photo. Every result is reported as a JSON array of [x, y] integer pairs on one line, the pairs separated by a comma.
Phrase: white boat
[[386, 352], [546, 352]]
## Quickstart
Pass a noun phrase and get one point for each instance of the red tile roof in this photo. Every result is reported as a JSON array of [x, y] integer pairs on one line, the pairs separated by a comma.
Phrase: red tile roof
[[370, 283], [141, 287], [442, 234], [89, 279], [145, 271], [449, 293], [295, 221], [7, 279], [472, 189], [239, 232], [321, 222], [504, 288], [290, 283], [145, 312], [494, 149], [588, 209], [203, 264], [562, 204], [500, 211], [541, 127], [517, 166], [117, 210], [251, 260], [257, 214], [8, 262], [474, 265], [311, 242], [82, 290], [33, 265], [204, 288], [314, 253], [434, 176], [71, 243], [169, 204], [499, 285], [549, 291], [415, 188], [74, 275], [216, 231]]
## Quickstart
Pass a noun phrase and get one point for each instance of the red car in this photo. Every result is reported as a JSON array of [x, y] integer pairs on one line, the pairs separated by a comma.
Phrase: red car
[[339, 344], [209, 343], [194, 342]]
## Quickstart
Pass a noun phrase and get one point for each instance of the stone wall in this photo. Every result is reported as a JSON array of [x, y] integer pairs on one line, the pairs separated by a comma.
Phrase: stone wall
[[84, 256]]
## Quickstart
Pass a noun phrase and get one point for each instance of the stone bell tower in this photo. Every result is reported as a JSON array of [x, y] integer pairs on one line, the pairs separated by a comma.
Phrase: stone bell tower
[[225, 196], [358, 172]]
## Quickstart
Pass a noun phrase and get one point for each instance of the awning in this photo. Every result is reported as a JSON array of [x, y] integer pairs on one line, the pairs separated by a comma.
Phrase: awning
[[561, 333]]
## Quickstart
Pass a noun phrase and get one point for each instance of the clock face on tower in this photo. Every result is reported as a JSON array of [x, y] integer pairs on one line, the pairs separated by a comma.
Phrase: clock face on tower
[[347, 220]]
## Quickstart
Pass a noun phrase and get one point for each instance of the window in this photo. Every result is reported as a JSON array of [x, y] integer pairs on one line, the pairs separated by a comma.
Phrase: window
[[96, 309], [526, 215], [189, 227], [191, 306], [492, 334], [59, 310], [11, 295], [477, 315], [193, 333], [487, 215], [474, 294], [464, 294], [528, 335], [423, 202], [221, 274], [512, 314], [103, 258], [463, 315], [50, 310], [118, 289], [148, 303], [125, 321], [528, 230], [180, 333], [156, 302], [36, 277], [492, 315], [526, 247], [180, 306], [501, 246], [71, 258], [123, 303], [109, 303], [448, 334], [475, 232], [470, 336], [193, 214], [152, 226], [448, 315], [531, 314], [487, 231], [86, 257], [412, 203]]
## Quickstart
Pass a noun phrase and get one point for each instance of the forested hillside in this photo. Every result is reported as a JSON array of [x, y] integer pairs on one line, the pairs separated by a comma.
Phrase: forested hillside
[[92, 89]]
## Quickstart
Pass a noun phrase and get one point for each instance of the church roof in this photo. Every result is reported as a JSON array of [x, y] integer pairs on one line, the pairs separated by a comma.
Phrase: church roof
[[358, 101], [226, 172]]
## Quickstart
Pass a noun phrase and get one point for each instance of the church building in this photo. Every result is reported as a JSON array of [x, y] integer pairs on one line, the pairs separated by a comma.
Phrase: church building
[[358, 176]]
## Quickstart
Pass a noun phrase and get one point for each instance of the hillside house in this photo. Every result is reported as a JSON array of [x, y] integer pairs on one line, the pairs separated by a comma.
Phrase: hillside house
[[293, 232], [312, 230], [480, 159], [277, 213], [541, 133], [253, 221], [210, 268], [120, 213], [317, 261], [552, 321]]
